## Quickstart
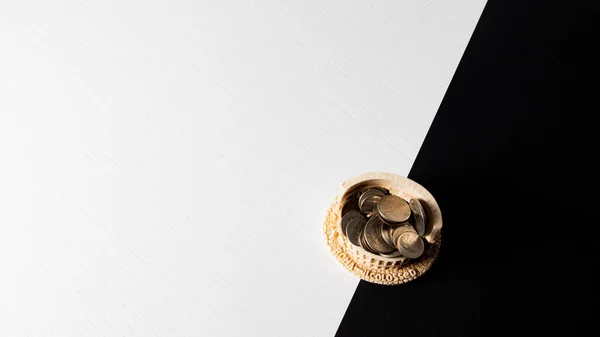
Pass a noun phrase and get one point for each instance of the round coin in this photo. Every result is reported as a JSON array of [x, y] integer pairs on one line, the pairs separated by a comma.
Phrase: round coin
[[386, 234], [374, 238], [365, 245], [353, 230], [369, 199], [418, 215], [410, 244], [393, 209], [397, 231], [353, 214], [370, 203]]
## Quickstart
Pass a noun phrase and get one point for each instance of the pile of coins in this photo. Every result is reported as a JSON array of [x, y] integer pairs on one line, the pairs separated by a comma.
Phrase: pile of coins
[[384, 224]]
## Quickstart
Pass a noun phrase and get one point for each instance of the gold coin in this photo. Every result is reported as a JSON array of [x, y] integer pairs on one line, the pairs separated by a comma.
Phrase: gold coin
[[373, 236], [418, 215], [353, 214], [386, 234], [354, 229], [408, 242], [399, 230], [369, 199], [365, 245], [393, 209]]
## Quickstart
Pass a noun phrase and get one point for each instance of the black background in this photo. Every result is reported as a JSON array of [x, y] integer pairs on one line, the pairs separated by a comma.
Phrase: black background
[[509, 174]]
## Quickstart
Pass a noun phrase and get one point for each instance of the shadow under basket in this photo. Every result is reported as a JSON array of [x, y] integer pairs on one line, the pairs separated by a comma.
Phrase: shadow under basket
[[372, 267]]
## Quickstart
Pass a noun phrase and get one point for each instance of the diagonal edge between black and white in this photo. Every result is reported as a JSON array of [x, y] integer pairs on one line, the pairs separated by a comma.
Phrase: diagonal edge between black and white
[[495, 158]]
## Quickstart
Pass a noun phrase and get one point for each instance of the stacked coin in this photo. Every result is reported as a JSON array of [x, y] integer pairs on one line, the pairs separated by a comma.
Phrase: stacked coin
[[384, 224]]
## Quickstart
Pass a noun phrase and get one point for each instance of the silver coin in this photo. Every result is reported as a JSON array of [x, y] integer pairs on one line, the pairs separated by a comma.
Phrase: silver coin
[[393, 209], [369, 199], [386, 234], [419, 215], [353, 230], [348, 217], [408, 242], [374, 238]]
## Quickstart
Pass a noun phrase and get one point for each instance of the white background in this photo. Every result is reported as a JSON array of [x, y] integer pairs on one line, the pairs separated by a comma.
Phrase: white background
[[165, 166]]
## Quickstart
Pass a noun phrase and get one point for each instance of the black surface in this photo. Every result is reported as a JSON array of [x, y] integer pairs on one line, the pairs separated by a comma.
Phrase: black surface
[[508, 176]]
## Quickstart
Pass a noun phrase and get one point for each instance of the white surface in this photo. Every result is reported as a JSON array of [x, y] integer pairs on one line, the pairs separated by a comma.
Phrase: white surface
[[165, 166]]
